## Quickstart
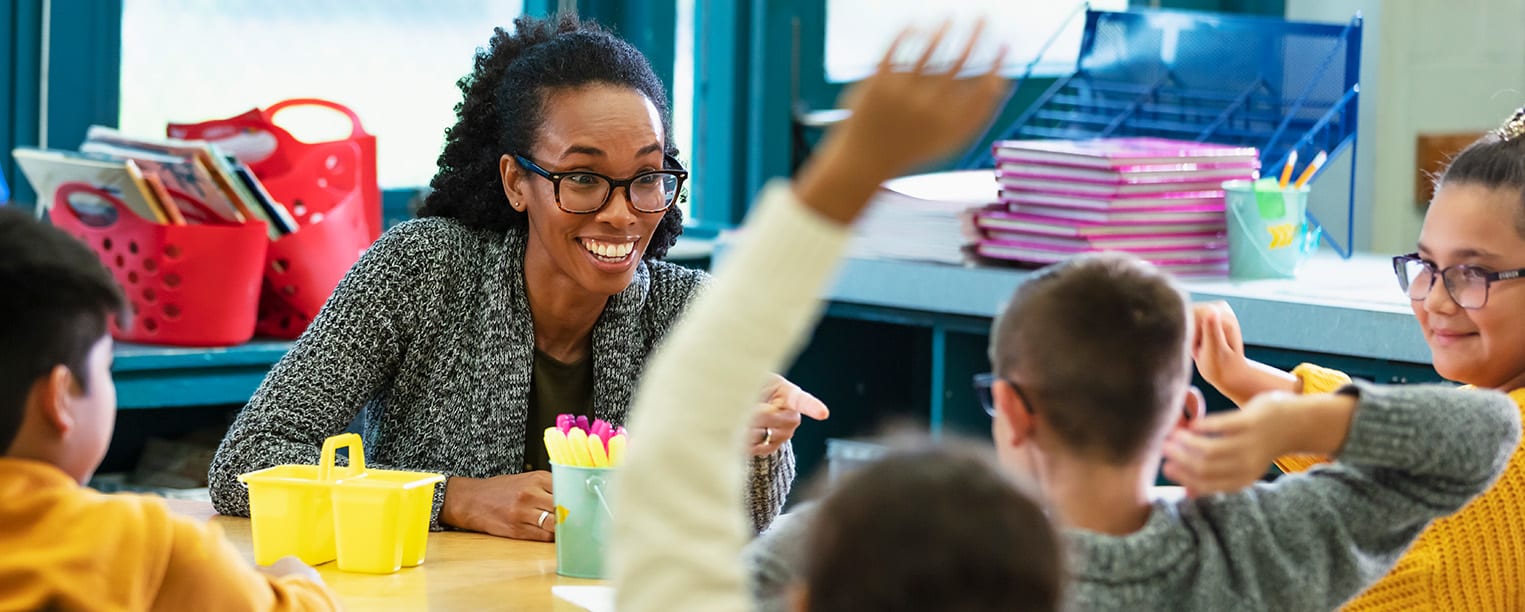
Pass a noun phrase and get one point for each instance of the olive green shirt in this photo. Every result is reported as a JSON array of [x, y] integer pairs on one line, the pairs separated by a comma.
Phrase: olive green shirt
[[555, 388]]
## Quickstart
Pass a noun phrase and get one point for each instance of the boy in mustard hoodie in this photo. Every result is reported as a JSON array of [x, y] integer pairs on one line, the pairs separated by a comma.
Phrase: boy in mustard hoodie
[[65, 546]]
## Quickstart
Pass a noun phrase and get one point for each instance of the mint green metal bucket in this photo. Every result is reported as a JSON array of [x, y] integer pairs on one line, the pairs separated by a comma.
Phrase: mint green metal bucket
[[582, 519], [1269, 234]]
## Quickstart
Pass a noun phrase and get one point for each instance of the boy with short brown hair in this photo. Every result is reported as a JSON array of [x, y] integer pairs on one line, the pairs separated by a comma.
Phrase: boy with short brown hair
[[66, 546]]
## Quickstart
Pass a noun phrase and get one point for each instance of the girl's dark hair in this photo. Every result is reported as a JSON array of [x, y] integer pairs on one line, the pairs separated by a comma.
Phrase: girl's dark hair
[[1495, 161], [931, 526], [504, 105]]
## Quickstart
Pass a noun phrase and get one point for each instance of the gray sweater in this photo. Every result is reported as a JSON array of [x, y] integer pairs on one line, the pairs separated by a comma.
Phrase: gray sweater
[[430, 333], [1307, 541]]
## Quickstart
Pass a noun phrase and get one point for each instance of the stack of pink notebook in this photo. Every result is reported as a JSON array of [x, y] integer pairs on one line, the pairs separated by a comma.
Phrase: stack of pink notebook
[[1159, 199]]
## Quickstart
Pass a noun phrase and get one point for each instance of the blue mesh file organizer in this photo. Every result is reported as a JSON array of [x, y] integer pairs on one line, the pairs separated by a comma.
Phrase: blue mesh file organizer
[[1277, 85]]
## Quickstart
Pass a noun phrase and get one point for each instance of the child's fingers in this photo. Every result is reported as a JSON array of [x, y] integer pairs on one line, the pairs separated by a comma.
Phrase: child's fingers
[[995, 65], [1221, 424], [1183, 454], [1179, 475], [963, 56], [1198, 476], [887, 63], [1226, 319], [1220, 335], [1231, 326], [937, 41], [1198, 329]]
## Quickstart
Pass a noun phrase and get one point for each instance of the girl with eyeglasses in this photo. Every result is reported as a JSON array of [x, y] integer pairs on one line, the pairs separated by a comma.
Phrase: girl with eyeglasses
[[1465, 285]]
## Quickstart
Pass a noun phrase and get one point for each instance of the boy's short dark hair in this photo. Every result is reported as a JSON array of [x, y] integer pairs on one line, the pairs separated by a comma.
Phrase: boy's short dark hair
[[55, 297], [931, 527], [1099, 345]]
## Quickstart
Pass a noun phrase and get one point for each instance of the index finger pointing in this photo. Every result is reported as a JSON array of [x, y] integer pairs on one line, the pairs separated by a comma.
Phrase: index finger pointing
[[808, 405]]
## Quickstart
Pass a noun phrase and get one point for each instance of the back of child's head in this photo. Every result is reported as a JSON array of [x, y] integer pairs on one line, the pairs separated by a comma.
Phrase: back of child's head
[[1495, 161], [55, 300], [1099, 345], [931, 527]]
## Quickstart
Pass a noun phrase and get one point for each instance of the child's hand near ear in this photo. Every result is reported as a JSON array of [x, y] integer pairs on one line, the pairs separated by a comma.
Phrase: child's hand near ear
[[1228, 451], [1218, 349]]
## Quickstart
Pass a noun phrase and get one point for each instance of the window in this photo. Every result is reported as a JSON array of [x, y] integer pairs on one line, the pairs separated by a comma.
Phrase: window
[[683, 93], [394, 62], [858, 31]]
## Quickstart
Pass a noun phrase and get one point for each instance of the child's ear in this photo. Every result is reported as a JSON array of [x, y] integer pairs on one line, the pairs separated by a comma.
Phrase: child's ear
[[1010, 407], [50, 397], [1194, 406]]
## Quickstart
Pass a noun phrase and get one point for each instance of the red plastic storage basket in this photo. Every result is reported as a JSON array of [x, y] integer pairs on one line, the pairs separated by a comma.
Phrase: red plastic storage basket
[[188, 285], [302, 268]]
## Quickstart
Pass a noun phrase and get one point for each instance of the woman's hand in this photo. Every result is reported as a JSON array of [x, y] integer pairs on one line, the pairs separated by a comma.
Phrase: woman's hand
[[517, 506], [1218, 349], [778, 416], [903, 116]]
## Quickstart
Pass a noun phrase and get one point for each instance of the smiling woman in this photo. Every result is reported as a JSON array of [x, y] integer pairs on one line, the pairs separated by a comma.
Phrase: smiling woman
[[533, 286]]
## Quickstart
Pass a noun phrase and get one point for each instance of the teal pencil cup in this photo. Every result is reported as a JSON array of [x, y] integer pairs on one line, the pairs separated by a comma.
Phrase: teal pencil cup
[[582, 519], [1269, 235]]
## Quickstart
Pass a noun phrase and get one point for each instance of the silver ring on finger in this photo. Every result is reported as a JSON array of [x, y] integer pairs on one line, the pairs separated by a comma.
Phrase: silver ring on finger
[[541, 521], [767, 435]]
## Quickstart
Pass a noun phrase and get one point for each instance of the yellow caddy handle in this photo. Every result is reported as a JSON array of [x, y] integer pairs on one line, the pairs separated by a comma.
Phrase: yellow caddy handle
[[331, 448]]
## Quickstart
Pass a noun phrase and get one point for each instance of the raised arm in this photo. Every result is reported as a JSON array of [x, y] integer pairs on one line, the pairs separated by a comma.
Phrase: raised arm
[[679, 527]]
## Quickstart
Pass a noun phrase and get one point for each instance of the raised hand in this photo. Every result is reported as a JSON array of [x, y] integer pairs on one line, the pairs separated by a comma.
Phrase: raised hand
[[902, 117], [1218, 349]]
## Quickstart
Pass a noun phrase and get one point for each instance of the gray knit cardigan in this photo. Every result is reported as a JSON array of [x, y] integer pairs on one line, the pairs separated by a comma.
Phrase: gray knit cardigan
[[430, 333]]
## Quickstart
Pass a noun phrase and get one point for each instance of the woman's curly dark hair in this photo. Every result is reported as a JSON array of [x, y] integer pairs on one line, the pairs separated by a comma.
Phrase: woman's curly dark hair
[[503, 107]]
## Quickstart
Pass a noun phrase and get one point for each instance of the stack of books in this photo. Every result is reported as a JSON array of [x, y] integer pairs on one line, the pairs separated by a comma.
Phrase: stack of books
[[923, 217], [161, 180], [1161, 200]]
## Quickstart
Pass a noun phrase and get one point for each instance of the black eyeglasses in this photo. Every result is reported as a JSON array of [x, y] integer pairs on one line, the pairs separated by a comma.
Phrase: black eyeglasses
[[585, 193], [983, 383], [1468, 285]]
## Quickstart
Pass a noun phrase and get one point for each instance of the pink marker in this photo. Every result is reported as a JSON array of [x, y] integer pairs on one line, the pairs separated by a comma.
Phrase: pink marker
[[603, 431], [564, 423]]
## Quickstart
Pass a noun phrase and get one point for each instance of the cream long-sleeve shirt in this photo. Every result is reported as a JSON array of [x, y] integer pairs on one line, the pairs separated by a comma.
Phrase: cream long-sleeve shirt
[[679, 524]]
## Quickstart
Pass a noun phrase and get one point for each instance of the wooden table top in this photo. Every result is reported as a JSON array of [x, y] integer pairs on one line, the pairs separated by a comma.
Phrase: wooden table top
[[461, 571]]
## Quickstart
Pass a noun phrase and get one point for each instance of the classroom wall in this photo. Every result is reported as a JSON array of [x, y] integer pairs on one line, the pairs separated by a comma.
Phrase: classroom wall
[[1427, 66]]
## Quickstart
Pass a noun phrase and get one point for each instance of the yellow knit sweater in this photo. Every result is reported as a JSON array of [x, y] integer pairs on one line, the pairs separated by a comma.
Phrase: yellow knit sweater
[[1471, 560]]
